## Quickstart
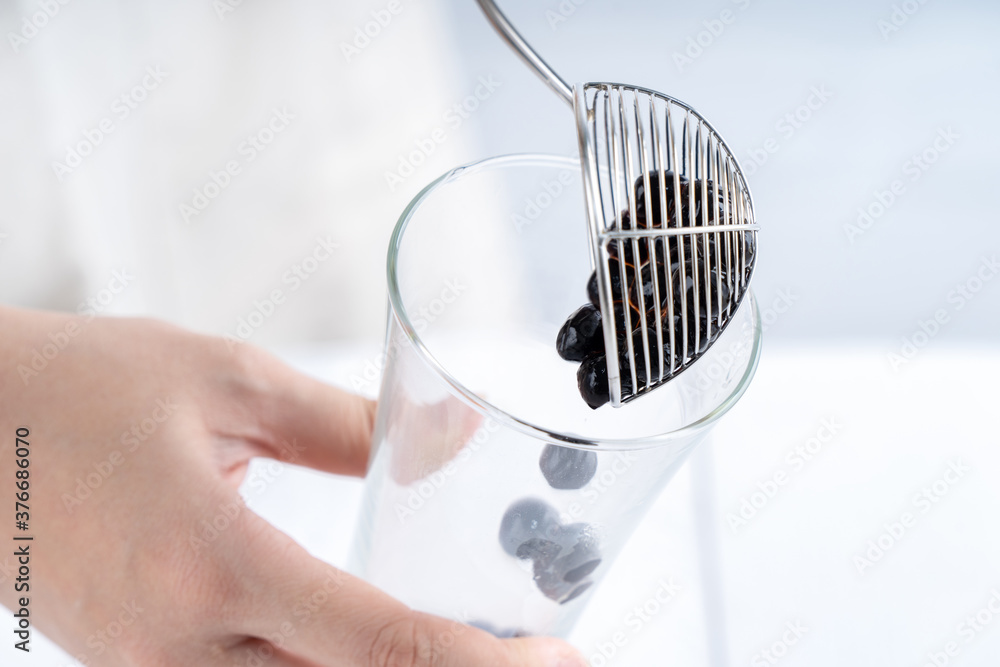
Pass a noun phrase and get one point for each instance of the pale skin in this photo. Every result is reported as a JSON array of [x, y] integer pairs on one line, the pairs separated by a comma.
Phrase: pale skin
[[128, 575]]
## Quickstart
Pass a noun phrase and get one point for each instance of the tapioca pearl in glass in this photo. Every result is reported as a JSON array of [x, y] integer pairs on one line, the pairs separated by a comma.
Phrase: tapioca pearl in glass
[[566, 468], [577, 592], [580, 554], [551, 583], [526, 519], [539, 549], [556, 588]]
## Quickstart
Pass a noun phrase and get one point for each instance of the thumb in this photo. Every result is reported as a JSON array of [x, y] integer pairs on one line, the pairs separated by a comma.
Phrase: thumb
[[334, 618], [545, 652], [413, 638]]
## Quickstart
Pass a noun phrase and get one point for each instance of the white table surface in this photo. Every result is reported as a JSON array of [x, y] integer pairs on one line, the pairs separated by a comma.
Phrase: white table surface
[[793, 564]]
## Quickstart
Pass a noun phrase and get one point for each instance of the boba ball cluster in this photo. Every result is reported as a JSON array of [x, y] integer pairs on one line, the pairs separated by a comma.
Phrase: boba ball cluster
[[567, 468], [525, 520], [562, 556], [690, 268], [581, 336]]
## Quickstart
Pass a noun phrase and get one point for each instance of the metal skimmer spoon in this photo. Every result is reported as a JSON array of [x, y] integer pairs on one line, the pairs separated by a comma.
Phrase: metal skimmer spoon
[[651, 167]]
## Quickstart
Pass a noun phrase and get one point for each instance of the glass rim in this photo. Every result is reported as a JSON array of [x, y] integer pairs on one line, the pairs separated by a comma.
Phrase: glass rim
[[398, 311]]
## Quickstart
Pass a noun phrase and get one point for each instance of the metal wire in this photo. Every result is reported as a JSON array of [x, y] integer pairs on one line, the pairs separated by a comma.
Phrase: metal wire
[[523, 49], [632, 135], [628, 135]]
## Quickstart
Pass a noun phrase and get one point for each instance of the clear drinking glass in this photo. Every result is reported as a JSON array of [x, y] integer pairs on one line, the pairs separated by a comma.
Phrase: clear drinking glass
[[484, 267]]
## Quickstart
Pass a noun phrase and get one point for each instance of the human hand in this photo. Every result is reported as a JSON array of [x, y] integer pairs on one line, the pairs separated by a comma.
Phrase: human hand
[[140, 433]]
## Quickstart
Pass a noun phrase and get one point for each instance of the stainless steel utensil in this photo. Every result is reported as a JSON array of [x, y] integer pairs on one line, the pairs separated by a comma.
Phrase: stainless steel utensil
[[671, 267]]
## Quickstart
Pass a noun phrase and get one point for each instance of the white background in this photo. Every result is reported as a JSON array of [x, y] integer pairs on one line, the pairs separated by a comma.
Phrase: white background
[[854, 303]]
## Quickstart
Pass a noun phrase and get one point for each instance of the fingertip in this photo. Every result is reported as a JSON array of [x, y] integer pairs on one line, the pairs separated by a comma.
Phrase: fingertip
[[311, 423], [547, 652], [358, 419]]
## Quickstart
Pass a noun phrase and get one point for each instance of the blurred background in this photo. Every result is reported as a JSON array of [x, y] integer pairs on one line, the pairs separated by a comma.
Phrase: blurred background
[[826, 105], [182, 160]]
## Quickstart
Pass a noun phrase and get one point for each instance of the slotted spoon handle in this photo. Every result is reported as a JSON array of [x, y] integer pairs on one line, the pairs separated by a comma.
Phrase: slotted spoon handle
[[523, 49]]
